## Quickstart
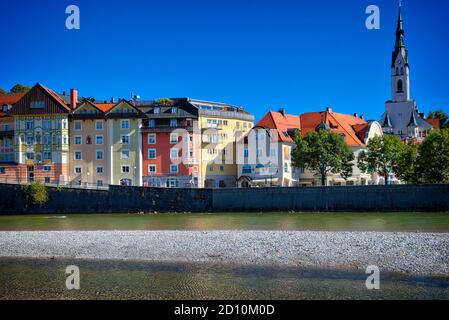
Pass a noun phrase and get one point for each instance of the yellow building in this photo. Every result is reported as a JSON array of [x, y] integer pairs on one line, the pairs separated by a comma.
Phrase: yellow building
[[220, 126]]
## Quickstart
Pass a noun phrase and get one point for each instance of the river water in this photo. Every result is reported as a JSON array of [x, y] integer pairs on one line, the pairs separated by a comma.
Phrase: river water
[[408, 222], [45, 278]]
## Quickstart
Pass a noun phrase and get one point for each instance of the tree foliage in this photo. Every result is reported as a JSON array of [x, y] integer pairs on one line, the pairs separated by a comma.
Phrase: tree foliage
[[37, 192], [2, 91], [165, 102], [323, 151], [20, 88], [382, 155], [432, 163]]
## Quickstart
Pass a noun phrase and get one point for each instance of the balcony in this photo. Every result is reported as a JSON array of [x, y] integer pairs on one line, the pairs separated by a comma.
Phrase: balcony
[[167, 128]]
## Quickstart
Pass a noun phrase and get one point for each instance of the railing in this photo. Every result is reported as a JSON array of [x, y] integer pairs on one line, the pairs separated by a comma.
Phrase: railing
[[57, 183], [227, 114]]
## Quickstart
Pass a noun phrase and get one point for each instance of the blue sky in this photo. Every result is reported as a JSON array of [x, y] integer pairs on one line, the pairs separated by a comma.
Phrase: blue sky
[[266, 54]]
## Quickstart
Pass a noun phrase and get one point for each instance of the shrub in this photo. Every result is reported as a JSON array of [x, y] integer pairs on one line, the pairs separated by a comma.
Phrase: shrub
[[37, 192]]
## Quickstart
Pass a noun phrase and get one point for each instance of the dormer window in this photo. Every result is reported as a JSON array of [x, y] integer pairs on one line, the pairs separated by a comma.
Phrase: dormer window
[[157, 110], [5, 108], [174, 110]]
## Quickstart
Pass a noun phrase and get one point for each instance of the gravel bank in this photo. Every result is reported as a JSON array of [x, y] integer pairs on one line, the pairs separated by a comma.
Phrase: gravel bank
[[414, 253]]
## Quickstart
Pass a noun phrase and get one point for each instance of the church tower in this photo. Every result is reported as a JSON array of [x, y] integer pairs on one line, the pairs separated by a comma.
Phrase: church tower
[[402, 117], [400, 69]]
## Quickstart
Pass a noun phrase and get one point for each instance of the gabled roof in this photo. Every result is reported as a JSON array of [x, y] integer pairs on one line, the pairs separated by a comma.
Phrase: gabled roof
[[87, 102], [387, 121], [282, 123], [433, 122], [55, 97], [10, 98], [127, 103], [353, 128], [104, 107]]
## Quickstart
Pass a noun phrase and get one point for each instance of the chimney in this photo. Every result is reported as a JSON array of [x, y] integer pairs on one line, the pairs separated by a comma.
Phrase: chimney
[[329, 109], [356, 115], [282, 111], [112, 100], [73, 98], [64, 93], [362, 117]]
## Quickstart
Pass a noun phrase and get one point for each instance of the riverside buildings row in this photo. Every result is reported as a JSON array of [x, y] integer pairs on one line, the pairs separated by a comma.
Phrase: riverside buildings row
[[58, 138]]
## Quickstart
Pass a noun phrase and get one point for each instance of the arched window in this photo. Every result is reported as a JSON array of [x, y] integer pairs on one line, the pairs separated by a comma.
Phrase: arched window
[[397, 71], [402, 71], [400, 89]]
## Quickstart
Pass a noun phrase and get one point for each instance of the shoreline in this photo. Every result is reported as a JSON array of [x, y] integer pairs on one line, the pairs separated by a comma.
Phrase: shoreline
[[407, 253]]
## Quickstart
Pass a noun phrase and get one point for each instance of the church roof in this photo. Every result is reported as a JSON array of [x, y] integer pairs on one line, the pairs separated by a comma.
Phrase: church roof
[[399, 47], [387, 121], [413, 122]]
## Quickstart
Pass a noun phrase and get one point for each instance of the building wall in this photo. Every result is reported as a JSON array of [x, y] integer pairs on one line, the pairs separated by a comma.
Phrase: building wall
[[49, 146], [88, 149], [187, 162], [214, 170], [134, 146]]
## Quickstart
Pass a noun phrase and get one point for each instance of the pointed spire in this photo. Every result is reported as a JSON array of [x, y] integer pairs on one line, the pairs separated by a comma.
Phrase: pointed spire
[[413, 122], [387, 121], [399, 47]]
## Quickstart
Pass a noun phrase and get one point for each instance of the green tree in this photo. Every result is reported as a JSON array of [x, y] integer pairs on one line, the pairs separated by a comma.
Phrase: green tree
[[165, 102], [2, 91], [19, 88], [442, 116], [405, 167], [432, 164], [382, 155], [37, 192], [324, 152]]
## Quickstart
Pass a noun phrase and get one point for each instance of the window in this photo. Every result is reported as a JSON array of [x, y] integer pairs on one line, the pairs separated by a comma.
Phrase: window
[[151, 139], [99, 183], [100, 169], [78, 140], [125, 154], [124, 124], [402, 71], [47, 139], [152, 123], [46, 124], [37, 104], [47, 155], [77, 126], [152, 168], [47, 179], [29, 125], [174, 153], [173, 168], [99, 154], [29, 155], [78, 155], [246, 169], [400, 86], [125, 139], [174, 110], [221, 168], [173, 123], [225, 122], [2, 170], [151, 153], [47, 168], [157, 110], [245, 152], [99, 140], [99, 125], [173, 138], [125, 169], [29, 140], [286, 169], [77, 170]]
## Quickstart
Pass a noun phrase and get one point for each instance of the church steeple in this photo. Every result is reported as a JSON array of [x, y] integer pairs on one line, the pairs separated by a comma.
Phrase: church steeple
[[400, 69], [399, 47]]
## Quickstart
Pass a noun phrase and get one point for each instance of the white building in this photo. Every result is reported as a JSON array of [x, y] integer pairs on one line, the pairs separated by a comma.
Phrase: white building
[[402, 117]]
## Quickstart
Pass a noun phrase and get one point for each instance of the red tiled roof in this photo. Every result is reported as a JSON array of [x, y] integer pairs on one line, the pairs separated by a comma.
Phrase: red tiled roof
[[352, 127], [105, 107], [281, 122], [10, 98], [433, 122]]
